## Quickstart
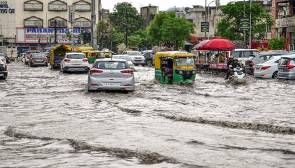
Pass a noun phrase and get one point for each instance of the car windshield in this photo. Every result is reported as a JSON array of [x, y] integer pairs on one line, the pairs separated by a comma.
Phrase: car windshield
[[133, 53], [115, 65], [75, 56], [244, 54], [184, 61], [37, 55]]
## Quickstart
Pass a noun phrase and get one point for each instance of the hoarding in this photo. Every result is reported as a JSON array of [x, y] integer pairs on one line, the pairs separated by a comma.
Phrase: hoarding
[[47, 35]]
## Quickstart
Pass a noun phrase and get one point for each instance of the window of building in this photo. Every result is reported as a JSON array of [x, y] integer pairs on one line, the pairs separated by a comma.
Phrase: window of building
[[33, 22], [58, 22], [82, 6], [57, 5], [82, 22], [33, 5]]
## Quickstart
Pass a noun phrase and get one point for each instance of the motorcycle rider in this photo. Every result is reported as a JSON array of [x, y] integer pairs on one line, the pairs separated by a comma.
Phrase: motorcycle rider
[[231, 64]]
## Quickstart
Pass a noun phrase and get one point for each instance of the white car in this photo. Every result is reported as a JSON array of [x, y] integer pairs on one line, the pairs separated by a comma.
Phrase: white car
[[111, 74], [136, 57], [74, 62], [244, 54], [268, 69]]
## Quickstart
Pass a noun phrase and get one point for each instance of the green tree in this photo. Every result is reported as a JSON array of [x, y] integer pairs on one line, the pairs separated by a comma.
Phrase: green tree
[[169, 30], [140, 39], [104, 34], [233, 13], [126, 19], [276, 43]]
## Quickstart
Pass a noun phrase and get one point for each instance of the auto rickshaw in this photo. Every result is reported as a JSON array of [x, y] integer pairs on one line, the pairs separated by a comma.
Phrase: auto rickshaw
[[57, 54], [175, 67], [93, 55]]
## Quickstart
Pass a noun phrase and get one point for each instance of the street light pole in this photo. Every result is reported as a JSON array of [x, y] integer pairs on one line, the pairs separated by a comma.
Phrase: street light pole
[[206, 16], [93, 25], [244, 31], [250, 25], [55, 31]]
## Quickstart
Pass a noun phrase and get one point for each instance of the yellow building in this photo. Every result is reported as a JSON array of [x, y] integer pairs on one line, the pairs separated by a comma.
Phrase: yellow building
[[34, 21]]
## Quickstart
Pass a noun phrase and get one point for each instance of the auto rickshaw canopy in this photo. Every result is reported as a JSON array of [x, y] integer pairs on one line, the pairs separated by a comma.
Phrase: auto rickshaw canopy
[[58, 50]]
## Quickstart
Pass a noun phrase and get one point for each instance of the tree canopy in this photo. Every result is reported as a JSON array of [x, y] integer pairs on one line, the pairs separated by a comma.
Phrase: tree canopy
[[126, 19], [233, 13], [169, 30]]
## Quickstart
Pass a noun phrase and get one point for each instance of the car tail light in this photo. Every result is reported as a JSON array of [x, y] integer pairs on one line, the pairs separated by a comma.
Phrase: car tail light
[[290, 65], [67, 60], [127, 71], [265, 67], [95, 71], [85, 60]]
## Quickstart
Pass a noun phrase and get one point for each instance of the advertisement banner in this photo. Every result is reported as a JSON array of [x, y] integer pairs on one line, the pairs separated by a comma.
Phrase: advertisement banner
[[47, 35]]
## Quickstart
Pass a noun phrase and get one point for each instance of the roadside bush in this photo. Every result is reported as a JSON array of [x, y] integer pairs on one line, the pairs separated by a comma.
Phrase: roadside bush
[[276, 43]]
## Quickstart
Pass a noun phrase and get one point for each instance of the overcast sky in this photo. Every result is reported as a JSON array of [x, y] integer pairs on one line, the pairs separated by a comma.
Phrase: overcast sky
[[163, 4]]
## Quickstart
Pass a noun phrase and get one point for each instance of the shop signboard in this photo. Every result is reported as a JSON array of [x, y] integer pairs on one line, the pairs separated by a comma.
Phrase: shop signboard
[[46, 35], [204, 26]]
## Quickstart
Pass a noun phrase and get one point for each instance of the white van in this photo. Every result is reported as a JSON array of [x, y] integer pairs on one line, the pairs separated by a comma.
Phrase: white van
[[244, 54]]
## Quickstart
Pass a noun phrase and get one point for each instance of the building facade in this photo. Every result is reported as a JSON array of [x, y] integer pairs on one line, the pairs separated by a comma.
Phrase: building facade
[[198, 14], [148, 13], [37, 21], [284, 15]]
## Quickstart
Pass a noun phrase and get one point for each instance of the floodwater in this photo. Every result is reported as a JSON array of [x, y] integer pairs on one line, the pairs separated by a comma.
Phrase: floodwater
[[49, 120]]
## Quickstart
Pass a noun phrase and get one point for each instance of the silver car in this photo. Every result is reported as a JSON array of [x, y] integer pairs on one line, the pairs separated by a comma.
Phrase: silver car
[[37, 59], [287, 67], [111, 74]]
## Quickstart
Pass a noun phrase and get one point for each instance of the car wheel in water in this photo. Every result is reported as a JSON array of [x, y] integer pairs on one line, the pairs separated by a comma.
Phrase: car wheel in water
[[275, 75]]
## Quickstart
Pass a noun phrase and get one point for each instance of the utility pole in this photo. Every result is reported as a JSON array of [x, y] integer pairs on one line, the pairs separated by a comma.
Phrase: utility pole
[[206, 16], [244, 31], [93, 24], [250, 23], [55, 31]]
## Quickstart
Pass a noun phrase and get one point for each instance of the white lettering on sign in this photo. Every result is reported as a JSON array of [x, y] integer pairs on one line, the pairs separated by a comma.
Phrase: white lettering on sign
[[5, 8]]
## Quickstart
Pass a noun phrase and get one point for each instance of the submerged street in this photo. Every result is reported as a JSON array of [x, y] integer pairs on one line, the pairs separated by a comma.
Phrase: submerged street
[[48, 119]]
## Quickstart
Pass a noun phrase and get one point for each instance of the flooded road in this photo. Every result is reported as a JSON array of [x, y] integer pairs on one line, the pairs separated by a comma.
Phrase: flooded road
[[48, 119]]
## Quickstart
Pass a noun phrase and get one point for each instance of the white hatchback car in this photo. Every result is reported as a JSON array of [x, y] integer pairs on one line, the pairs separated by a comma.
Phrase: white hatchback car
[[111, 74], [74, 62], [136, 57], [268, 69]]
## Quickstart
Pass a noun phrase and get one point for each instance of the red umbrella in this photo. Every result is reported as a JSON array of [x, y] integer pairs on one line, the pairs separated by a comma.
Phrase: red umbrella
[[200, 45], [219, 45]]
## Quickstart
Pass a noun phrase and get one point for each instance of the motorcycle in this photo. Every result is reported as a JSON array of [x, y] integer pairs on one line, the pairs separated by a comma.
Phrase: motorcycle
[[237, 76]]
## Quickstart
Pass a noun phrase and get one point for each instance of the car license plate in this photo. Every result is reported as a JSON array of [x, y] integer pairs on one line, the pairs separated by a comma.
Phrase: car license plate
[[111, 84]]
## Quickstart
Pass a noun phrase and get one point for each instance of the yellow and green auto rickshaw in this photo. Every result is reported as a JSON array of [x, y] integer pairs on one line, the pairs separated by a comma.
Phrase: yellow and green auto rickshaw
[[56, 55], [93, 55], [175, 67]]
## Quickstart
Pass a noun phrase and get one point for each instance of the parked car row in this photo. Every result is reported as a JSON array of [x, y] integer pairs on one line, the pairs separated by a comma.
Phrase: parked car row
[[281, 66]]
